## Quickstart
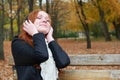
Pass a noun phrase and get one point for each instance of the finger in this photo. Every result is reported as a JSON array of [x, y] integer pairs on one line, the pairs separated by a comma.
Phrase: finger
[[30, 22], [51, 28], [24, 28], [26, 22]]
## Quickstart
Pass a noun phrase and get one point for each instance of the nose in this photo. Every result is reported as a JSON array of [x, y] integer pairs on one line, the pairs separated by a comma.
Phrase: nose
[[44, 20]]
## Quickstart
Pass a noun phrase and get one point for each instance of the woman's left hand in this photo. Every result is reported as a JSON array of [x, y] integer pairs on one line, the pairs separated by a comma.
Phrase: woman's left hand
[[49, 36]]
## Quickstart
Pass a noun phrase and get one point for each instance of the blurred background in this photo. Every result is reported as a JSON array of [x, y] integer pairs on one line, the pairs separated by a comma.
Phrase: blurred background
[[80, 26]]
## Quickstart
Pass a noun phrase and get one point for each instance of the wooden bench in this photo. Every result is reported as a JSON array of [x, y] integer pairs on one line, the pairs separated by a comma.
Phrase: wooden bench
[[92, 74], [82, 60]]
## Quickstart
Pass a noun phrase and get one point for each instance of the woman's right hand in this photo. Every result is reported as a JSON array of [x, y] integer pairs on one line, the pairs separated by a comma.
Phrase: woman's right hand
[[29, 27]]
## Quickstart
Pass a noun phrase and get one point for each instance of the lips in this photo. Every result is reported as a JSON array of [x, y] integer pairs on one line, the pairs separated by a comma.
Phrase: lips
[[43, 24]]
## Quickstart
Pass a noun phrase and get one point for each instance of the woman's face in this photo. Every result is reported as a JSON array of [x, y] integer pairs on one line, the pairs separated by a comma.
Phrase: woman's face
[[42, 22]]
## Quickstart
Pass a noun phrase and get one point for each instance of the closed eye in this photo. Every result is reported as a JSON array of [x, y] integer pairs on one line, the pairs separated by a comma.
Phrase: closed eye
[[48, 20], [38, 17]]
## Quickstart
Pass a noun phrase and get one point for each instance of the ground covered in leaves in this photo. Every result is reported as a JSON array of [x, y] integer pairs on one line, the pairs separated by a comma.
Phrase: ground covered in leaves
[[71, 46]]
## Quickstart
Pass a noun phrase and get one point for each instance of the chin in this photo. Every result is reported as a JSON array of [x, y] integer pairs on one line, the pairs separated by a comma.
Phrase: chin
[[46, 33]]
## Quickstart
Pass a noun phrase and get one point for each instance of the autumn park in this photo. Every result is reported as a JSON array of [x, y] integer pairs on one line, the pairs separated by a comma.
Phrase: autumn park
[[88, 30]]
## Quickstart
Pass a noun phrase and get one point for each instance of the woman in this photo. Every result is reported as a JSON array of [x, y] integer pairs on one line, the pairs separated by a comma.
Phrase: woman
[[36, 54]]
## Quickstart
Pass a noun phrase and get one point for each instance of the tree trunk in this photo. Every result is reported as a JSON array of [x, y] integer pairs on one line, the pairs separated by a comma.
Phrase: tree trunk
[[1, 31], [40, 4], [30, 3], [18, 16], [18, 22], [54, 13], [11, 20], [11, 28], [47, 6], [82, 18], [104, 25], [117, 30], [55, 20]]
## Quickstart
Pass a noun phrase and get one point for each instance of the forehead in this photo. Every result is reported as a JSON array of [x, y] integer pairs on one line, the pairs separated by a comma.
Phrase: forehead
[[42, 13]]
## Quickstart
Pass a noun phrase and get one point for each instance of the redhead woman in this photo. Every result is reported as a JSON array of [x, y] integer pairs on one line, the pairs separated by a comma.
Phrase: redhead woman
[[36, 54]]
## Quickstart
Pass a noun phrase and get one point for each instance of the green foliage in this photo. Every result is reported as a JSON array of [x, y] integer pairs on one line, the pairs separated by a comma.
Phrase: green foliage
[[64, 34], [96, 30], [113, 33]]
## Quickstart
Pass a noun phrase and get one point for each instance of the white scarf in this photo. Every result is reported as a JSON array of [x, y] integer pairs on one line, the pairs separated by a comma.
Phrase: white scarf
[[49, 70]]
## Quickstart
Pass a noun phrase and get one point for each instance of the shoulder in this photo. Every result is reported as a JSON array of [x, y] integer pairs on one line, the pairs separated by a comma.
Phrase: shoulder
[[18, 44], [17, 41]]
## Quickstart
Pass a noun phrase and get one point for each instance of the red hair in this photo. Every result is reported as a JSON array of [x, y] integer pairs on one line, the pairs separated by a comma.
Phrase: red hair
[[24, 35]]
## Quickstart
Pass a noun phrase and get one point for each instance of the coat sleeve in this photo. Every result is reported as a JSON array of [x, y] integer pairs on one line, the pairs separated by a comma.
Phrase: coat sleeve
[[60, 56], [24, 54]]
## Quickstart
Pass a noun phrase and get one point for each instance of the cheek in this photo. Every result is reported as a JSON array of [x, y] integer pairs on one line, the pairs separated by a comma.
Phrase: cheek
[[36, 23], [47, 30]]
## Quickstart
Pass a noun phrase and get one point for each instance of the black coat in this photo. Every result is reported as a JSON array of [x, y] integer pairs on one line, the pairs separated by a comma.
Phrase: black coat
[[25, 56]]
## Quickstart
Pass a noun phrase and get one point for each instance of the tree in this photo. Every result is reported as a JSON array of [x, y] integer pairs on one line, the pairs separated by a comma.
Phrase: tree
[[1, 29], [102, 19], [11, 18], [117, 28], [47, 6], [72, 23], [19, 8], [14, 10], [40, 4], [58, 12], [114, 16], [20, 13], [30, 4], [82, 18]]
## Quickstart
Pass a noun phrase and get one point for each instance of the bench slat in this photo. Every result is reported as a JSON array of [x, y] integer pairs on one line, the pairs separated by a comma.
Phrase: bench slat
[[89, 59], [95, 59], [90, 75]]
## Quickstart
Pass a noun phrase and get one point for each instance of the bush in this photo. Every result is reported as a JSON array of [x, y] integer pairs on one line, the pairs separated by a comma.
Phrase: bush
[[67, 35]]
